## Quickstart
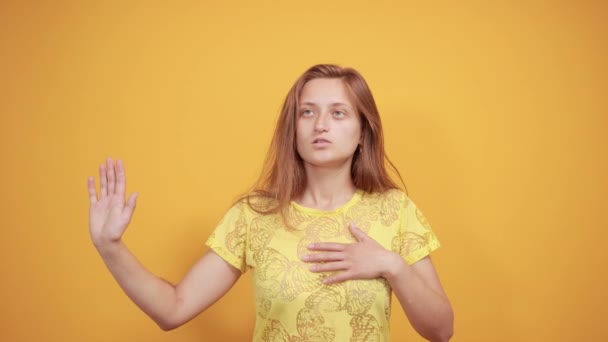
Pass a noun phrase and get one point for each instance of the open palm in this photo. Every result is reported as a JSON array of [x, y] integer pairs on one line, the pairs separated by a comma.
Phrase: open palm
[[108, 214]]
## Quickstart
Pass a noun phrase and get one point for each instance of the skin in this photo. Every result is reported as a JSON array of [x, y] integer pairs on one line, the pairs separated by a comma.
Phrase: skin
[[329, 185], [168, 305], [417, 286], [326, 112]]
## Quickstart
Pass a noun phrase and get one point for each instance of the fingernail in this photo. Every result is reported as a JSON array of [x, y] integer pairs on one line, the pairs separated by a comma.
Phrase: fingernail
[[311, 245], [305, 258]]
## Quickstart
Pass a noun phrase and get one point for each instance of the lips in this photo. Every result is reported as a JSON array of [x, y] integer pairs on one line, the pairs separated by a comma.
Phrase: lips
[[320, 140]]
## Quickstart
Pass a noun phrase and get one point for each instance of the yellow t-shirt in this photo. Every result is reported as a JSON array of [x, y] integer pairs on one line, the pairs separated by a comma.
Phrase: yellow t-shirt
[[292, 303]]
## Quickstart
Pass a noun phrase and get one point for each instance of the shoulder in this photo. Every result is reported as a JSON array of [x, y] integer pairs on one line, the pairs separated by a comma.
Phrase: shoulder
[[395, 196], [253, 205]]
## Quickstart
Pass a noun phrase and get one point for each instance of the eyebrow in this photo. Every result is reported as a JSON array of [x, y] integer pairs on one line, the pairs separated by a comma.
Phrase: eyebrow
[[332, 104]]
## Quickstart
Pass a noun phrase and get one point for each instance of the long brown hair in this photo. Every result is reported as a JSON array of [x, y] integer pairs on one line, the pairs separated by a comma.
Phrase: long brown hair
[[283, 176]]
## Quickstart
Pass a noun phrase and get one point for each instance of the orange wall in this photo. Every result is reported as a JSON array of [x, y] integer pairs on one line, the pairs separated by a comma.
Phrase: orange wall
[[496, 115]]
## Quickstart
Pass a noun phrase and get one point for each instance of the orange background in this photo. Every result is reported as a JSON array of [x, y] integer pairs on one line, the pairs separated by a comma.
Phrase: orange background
[[495, 113]]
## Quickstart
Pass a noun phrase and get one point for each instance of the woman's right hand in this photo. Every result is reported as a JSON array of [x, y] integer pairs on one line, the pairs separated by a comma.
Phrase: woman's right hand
[[108, 214]]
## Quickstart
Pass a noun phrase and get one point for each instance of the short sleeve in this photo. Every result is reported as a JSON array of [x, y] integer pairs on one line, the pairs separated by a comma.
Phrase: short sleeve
[[229, 238], [415, 238]]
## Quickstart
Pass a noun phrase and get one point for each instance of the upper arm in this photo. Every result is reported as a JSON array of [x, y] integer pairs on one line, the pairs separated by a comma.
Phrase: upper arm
[[205, 283]]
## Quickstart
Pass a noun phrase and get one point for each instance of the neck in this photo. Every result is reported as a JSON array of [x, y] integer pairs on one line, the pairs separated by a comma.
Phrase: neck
[[327, 188]]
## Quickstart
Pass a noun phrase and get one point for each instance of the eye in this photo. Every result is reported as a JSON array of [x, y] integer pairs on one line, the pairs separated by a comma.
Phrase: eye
[[306, 112], [339, 113]]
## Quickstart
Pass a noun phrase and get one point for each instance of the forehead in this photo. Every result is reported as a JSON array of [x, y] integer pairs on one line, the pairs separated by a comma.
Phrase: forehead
[[325, 91]]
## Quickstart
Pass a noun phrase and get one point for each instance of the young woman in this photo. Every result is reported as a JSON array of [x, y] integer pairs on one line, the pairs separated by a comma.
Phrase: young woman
[[326, 232]]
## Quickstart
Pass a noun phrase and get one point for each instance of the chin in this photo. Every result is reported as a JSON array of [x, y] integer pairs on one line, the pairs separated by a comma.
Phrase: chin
[[328, 162]]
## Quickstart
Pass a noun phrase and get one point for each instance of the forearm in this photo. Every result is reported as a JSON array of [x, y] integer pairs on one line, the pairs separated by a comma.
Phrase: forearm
[[153, 295], [429, 312]]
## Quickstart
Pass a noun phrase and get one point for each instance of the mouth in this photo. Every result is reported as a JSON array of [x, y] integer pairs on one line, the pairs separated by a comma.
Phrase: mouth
[[320, 141]]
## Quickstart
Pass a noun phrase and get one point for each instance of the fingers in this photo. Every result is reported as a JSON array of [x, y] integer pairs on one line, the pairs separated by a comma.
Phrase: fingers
[[338, 278], [357, 233], [327, 246], [131, 204], [121, 179], [92, 192], [111, 176], [329, 267], [103, 182], [111, 179], [323, 257]]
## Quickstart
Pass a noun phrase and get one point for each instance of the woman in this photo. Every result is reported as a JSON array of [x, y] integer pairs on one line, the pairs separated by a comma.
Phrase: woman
[[328, 235]]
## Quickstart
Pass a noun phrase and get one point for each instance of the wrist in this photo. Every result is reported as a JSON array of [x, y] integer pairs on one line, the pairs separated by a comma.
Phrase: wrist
[[107, 247], [394, 265]]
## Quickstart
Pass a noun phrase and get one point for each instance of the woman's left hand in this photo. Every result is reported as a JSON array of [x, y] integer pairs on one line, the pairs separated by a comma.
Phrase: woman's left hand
[[364, 259]]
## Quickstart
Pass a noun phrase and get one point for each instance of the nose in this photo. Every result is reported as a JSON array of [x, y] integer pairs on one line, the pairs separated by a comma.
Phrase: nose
[[322, 123]]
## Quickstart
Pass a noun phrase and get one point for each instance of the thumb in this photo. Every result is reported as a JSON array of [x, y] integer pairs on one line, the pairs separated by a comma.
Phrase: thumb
[[131, 203], [357, 233]]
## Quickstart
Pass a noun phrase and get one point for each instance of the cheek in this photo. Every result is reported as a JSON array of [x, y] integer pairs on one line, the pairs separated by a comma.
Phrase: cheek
[[298, 143], [356, 134], [299, 137]]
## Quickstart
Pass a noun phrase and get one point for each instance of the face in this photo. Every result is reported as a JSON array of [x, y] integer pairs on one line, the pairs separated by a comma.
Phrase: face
[[328, 126]]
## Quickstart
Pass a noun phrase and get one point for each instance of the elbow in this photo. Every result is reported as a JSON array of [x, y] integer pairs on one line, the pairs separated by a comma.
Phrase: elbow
[[172, 320], [442, 332], [445, 333], [440, 336], [167, 325], [168, 321], [446, 336]]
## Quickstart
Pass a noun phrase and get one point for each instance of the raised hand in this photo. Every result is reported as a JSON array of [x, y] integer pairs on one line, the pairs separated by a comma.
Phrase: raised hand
[[108, 214]]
